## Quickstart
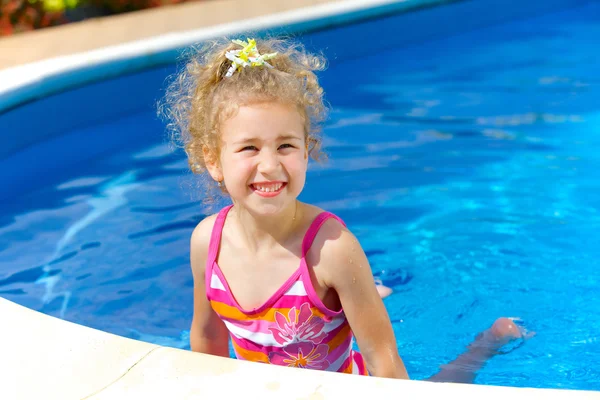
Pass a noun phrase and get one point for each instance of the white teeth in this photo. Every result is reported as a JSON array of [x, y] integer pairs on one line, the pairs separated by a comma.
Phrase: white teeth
[[268, 188]]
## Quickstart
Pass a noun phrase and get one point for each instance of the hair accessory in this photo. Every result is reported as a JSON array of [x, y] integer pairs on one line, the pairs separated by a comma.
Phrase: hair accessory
[[248, 56]]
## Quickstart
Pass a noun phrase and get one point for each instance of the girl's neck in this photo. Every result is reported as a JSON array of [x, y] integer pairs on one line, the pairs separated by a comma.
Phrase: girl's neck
[[265, 232]]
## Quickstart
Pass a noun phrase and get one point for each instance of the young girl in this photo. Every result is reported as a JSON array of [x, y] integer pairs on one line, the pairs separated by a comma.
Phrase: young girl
[[287, 282]]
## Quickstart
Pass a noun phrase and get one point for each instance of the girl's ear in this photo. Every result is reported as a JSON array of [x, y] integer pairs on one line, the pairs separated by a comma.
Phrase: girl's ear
[[212, 163], [307, 146]]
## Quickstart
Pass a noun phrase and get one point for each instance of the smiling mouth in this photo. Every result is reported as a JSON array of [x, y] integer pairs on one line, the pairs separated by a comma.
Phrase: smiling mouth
[[268, 188]]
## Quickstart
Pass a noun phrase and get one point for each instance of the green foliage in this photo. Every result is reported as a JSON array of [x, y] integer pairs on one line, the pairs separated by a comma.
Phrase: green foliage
[[57, 5]]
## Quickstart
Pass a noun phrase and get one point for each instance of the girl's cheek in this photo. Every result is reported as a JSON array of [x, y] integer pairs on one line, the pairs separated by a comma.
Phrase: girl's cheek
[[244, 165]]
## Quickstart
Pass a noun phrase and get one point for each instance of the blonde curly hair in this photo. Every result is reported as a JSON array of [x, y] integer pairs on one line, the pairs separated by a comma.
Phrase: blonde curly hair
[[199, 98]]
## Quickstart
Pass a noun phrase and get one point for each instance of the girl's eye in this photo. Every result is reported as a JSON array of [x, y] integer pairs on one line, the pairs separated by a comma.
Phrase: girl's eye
[[286, 146], [249, 148]]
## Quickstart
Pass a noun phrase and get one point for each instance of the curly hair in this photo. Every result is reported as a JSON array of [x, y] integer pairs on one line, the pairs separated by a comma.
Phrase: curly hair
[[199, 98]]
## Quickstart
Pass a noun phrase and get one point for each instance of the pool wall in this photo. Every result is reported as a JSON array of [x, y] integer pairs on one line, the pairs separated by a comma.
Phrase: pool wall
[[40, 103]]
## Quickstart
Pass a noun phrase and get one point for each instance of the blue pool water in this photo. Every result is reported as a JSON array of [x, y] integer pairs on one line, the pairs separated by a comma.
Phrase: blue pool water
[[467, 166]]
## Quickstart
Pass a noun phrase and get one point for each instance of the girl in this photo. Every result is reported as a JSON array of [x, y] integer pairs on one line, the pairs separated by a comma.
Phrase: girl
[[287, 282]]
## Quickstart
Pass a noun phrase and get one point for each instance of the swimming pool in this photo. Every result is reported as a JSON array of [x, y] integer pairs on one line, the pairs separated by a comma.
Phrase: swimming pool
[[465, 166]]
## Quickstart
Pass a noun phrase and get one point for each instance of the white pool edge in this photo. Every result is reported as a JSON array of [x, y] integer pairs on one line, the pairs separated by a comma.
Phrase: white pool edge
[[45, 357]]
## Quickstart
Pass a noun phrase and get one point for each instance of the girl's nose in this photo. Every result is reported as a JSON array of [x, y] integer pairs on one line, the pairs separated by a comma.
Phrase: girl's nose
[[269, 162]]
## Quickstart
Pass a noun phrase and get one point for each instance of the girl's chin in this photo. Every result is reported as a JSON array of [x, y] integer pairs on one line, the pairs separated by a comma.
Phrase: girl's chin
[[270, 209], [267, 208]]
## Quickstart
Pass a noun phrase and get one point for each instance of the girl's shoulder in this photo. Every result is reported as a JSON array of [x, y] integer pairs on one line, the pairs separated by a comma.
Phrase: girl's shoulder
[[203, 230], [202, 234], [332, 236], [199, 243], [311, 212], [334, 251]]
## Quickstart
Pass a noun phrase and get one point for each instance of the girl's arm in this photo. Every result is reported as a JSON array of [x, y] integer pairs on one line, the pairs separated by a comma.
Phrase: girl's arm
[[208, 333], [347, 271]]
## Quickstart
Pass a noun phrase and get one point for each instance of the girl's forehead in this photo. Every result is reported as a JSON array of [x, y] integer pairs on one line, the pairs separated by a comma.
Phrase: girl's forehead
[[263, 121]]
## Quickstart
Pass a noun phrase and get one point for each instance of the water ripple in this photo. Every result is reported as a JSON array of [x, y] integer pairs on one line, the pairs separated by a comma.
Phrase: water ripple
[[170, 227], [161, 210]]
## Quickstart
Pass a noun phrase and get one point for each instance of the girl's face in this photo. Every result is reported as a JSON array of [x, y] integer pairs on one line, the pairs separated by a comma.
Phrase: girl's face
[[263, 157]]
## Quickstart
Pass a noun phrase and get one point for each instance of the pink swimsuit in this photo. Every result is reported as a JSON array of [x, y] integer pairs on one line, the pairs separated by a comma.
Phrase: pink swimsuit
[[293, 328]]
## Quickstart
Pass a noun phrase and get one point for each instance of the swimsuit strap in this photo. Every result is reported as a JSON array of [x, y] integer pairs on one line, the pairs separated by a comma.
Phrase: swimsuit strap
[[215, 238], [312, 231]]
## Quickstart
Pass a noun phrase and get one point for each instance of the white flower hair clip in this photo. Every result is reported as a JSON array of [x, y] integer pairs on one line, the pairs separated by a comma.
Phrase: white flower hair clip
[[248, 56]]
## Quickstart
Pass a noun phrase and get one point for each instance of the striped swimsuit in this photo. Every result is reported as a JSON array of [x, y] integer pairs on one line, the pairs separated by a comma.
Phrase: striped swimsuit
[[293, 328]]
